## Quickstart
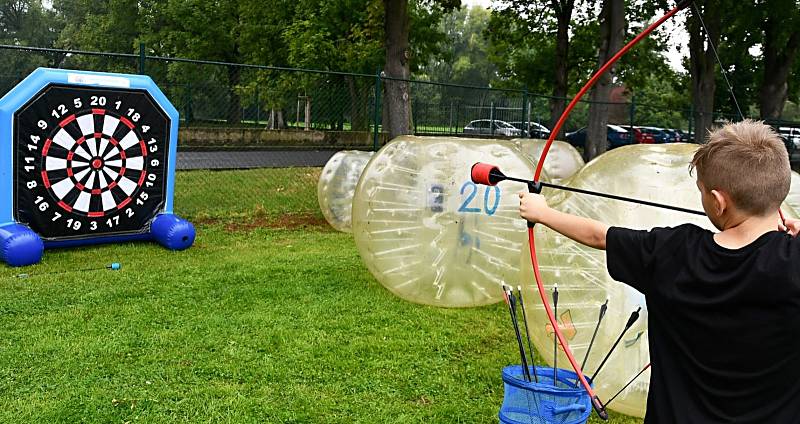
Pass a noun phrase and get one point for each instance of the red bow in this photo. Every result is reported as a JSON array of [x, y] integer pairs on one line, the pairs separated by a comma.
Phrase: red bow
[[596, 403]]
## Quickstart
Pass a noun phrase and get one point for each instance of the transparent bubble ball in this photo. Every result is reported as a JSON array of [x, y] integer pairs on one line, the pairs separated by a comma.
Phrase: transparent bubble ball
[[336, 186], [793, 199], [562, 162], [428, 233]]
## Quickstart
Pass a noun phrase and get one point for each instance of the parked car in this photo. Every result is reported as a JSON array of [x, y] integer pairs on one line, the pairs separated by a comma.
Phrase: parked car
[[492, 127], [686, 136], [640, 137], [616, 136], [791, 147], [675, 136], [535, 129], [659, 135], [791, 134]]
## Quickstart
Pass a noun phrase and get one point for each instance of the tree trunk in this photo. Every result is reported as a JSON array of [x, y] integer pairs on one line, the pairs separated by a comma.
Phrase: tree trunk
[[397, 96], [276, 120], [703, 65], [558, 102], [612, 30], [235, 103], [778, 61]]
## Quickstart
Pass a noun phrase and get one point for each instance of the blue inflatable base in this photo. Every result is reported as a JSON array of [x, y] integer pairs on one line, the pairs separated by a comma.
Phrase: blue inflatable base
[[172, 232], [20, 246]]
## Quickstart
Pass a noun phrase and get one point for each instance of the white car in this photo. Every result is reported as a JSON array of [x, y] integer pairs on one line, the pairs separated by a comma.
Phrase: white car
[[492, 127], [792, 134]]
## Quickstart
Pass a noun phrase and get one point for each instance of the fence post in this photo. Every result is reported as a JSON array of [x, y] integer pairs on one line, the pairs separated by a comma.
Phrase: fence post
[[142, 58], [491, 118], [188, 111], [526, 122], [633, 111], [258, 106], [457, 126], [376, 131], [414, 107]]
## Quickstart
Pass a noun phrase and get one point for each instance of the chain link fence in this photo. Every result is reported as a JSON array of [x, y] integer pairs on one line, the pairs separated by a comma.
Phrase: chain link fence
[[242, 116], [229, 106]]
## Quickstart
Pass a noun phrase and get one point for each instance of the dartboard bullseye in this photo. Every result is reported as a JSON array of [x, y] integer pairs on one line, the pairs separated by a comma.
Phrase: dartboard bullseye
[[91, 158]]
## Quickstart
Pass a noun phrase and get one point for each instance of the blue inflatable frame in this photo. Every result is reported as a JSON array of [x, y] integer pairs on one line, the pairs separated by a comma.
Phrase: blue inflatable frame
[[19, 245]]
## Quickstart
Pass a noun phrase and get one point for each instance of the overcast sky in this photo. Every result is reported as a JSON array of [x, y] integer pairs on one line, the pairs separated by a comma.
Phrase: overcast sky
[[679, 39]]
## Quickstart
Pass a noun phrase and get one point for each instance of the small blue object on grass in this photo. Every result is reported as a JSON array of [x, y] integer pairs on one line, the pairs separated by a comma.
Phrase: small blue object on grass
[[528, 402], [114, 266]]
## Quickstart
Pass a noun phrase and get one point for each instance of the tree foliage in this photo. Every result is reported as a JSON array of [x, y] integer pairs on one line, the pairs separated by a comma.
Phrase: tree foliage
[[513, 46]]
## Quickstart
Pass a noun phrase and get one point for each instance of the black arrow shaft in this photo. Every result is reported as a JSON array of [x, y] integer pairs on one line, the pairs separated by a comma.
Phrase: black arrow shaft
[[607, 196]]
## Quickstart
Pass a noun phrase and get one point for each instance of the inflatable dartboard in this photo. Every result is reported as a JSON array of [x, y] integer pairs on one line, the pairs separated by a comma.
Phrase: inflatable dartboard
[[86, 158]]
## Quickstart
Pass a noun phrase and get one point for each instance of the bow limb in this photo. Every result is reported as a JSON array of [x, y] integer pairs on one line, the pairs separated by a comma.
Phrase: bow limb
[[596, 76], [596, 403]]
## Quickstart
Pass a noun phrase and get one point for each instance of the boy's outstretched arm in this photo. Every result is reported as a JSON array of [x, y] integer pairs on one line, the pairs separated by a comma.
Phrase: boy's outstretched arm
[[592, 233]]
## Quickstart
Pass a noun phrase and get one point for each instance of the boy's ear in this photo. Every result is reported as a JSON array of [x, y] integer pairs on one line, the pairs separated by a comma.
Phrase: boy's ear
[[721, 202]]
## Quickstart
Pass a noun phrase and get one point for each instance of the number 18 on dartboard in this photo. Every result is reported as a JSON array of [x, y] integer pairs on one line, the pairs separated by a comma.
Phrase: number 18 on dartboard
[[91, 158]]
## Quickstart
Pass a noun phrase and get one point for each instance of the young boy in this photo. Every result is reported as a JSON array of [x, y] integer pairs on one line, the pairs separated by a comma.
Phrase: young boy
[[724, 307]]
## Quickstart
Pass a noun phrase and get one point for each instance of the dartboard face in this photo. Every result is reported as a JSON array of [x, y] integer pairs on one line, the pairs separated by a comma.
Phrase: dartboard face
[[89, 162]]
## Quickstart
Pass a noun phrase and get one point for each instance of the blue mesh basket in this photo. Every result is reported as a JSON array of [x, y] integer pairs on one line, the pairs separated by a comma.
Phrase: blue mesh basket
[[543, 402]]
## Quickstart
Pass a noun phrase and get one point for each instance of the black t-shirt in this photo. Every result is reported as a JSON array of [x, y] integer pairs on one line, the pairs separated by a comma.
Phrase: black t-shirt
[[724, 324]]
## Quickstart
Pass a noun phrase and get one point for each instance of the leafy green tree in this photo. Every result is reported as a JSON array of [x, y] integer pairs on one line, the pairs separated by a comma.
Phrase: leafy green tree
[[612, 29], [399, 20], [105, 26], [463, 57], [337, 35], [25, 23], [531, 44], [781, 30]]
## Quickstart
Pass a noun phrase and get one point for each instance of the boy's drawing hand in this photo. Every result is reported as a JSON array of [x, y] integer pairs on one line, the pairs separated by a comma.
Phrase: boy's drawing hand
[[792, 226], [533, 206]]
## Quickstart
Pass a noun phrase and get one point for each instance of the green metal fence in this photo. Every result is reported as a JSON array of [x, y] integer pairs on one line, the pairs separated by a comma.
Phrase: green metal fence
[[345, 106]]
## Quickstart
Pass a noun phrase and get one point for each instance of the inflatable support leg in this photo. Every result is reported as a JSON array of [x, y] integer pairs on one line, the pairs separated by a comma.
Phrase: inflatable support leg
[[19, 245], [172, 232]]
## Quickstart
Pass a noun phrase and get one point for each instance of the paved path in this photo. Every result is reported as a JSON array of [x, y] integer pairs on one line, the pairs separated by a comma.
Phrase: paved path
[[253, 159]]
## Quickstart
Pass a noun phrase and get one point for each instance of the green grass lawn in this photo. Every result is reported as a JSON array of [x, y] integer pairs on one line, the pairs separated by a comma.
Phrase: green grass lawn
[[270, 318]]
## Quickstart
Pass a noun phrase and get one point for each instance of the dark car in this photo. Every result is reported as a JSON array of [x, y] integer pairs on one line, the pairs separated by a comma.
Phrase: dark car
[[659, 135], [789, 143], [617, 136], [537, 130], [675, 136], [686, 136], [640, 137]]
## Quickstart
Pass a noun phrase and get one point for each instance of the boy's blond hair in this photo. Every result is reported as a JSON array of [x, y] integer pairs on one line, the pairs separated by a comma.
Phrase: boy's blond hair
[[748, 161]]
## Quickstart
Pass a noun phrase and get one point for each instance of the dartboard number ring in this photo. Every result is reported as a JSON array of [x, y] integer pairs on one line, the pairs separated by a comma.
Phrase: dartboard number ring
[[89, 161]]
